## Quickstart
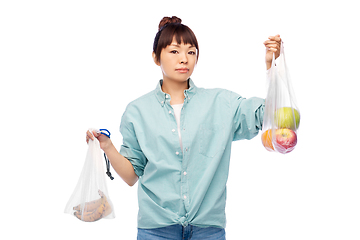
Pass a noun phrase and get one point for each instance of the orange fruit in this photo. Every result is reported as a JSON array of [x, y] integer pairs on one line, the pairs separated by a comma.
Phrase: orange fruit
[[266, 139]]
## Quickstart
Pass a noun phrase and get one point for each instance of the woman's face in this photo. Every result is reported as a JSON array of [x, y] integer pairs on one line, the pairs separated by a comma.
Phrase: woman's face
[[177, 61]]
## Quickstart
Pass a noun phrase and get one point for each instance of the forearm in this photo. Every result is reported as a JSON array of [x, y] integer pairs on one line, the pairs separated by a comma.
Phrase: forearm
[[121, 165]]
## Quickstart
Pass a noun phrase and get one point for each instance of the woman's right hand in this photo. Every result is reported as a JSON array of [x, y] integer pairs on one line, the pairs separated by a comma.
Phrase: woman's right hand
[[105, 141]]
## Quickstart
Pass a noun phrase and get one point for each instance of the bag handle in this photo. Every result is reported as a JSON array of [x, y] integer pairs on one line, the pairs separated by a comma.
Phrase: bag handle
[[107, 133], [108, 167]]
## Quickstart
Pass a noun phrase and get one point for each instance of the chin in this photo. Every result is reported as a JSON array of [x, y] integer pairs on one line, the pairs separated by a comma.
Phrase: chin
[[178, 79]]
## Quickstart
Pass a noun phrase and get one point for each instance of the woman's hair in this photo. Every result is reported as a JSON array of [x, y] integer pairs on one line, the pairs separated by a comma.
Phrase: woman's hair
[[170, 28]]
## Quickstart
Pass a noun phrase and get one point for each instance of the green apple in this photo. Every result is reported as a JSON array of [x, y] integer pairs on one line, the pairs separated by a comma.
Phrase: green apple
[[284, 118]]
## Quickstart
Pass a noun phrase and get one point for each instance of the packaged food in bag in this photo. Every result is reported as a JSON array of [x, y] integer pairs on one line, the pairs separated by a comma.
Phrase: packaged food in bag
[[281, 116], [90, 200]]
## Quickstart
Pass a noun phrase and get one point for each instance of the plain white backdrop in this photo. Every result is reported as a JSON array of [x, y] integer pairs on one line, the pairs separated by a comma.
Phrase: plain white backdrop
[[66, 66]]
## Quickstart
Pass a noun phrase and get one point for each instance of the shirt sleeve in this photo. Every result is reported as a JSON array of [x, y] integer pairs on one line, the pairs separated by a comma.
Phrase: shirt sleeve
[[248, 116], [130, 148]]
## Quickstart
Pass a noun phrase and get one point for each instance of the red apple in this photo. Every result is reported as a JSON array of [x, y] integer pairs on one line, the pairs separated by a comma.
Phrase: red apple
[[286, 140]]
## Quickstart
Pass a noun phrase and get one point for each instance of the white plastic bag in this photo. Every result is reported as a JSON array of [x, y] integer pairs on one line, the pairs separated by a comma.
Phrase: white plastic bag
[[90, 200], [281, 116]]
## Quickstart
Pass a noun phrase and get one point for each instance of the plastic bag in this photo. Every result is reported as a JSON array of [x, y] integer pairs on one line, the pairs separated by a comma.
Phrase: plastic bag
[[90, 200], [281, 116]]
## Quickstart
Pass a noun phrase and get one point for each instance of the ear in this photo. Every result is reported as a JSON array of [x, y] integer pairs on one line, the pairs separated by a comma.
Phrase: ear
[[156, 61]]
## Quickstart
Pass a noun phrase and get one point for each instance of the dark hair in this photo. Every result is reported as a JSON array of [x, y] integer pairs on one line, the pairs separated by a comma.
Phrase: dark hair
[[170, 28]]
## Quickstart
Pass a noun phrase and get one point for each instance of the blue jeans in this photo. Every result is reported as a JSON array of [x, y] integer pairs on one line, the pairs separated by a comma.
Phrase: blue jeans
[[178, 232]]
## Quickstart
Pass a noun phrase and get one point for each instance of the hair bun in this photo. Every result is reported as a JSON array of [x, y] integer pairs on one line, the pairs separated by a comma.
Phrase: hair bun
[[167, 20]]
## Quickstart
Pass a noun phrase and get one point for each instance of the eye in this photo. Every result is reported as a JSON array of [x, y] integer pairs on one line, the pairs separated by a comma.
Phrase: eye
[[174, 51], [192, 53]]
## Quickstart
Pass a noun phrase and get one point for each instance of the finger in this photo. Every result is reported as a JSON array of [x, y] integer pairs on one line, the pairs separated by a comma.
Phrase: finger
[[272, 43], [273, 50], [274, 40], [275, 37], [89, 135], [275, 46], [95, 134]]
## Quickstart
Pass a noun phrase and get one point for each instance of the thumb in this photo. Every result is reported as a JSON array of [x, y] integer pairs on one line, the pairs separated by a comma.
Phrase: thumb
[[95, 134]]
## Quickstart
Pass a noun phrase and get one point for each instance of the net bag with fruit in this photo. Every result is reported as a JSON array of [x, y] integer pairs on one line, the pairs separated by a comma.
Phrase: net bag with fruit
[[90, 200], [281, 116]]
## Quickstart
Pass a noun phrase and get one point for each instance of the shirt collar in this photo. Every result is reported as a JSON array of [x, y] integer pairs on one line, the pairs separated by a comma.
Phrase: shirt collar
[[163, 97]]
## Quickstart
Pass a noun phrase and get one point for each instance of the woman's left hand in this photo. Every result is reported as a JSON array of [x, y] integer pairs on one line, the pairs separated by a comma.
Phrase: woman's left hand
[[272, 46]]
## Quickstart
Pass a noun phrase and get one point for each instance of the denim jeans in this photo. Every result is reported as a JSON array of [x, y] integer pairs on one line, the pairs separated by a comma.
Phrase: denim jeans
[[178, 232]]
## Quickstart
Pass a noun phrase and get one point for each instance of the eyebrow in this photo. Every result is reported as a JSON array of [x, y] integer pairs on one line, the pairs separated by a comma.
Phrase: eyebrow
[[177, 45]]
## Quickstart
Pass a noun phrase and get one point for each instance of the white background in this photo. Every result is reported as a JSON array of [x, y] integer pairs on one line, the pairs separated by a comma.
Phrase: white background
[[66, 66]]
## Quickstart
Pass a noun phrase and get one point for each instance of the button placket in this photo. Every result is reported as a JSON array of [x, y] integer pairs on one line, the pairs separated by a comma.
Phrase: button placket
[[184, 193], [173, 130], [184, 186], [184, 173]]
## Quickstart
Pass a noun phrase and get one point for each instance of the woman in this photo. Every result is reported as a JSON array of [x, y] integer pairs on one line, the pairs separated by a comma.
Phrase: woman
[[177, 142]]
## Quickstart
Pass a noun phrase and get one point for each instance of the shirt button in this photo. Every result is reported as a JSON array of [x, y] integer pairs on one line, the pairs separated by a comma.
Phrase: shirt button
[[173, 130], [169, 112], [177, 153], [184, 196], [185, 173], [167, 96], [162, 102]]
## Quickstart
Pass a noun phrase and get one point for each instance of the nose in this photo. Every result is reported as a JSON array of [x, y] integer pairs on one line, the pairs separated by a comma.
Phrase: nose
[[183, 59]]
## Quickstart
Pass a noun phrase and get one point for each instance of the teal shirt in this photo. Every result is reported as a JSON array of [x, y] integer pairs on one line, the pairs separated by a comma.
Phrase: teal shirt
[[189, 186]]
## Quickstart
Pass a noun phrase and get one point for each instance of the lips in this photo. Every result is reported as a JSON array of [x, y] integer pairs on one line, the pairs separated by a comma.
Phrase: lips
[[182, 70]]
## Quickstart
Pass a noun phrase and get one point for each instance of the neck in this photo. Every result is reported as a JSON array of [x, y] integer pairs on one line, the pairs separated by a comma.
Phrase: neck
[[175, 89]]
